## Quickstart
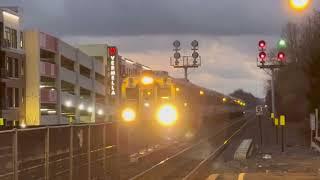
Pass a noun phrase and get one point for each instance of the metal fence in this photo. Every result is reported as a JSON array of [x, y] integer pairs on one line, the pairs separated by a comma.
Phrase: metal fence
[[73, 152]]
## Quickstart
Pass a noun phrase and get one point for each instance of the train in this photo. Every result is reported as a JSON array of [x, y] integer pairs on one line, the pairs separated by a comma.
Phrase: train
[[155, 107]]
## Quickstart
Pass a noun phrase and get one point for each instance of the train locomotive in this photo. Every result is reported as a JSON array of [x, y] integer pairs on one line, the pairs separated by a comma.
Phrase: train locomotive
[[157, 107]]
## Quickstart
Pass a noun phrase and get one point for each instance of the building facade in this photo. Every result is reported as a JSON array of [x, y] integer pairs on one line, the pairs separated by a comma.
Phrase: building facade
[[63, 84], [12, 62]]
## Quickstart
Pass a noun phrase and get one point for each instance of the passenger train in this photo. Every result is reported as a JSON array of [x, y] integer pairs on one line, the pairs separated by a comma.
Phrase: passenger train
[[155, 106]]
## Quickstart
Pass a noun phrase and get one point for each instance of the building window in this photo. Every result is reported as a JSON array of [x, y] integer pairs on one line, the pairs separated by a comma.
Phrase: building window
[[10, 37], [22, 68], [10, 97], [21, 39], [12, 67], [7, 36], [16, 68], [16, 97], [14, 38], [9, 67]]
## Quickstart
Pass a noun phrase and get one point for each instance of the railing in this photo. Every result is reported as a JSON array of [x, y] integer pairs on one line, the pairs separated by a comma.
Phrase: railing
[[48, 69], [59, 152]]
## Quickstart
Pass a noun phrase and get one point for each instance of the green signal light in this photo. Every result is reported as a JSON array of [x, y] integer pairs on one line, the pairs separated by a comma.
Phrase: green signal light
[[282, 43]]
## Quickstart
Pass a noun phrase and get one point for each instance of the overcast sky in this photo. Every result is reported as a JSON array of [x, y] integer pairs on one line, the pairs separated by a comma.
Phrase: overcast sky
[[228, 31]]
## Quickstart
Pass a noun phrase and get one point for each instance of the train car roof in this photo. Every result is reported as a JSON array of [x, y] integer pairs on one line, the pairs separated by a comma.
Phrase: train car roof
[[183, 82]]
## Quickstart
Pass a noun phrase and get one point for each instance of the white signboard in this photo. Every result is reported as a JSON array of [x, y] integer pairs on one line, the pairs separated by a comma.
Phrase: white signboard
[[259, 110]]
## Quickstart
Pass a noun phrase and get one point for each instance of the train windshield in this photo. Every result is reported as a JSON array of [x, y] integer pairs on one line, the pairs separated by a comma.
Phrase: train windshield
[[132, 93], [164, 92]]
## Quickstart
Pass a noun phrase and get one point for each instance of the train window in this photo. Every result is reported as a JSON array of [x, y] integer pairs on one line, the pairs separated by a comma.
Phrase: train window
[[164, 92], [132, 93]]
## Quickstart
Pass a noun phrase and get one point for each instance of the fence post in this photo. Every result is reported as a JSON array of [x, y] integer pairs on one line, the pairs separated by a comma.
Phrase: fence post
[[71, 154], [15, 154], [89, 152], [104, 150], [317, 122], [47, 139]]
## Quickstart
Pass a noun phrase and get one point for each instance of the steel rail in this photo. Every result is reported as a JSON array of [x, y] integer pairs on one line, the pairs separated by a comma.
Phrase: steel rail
[[212, 155]]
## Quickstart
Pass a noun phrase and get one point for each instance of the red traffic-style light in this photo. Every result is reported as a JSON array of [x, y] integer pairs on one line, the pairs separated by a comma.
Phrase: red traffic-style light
[[281, 56], [112, 51], [262, 44], [262, 56]]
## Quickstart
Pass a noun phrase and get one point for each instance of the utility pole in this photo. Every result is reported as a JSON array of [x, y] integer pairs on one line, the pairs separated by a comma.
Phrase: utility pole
[[185, 62]]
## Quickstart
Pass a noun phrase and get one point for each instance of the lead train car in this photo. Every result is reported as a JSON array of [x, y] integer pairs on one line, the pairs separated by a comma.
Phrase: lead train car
[[156, 107]]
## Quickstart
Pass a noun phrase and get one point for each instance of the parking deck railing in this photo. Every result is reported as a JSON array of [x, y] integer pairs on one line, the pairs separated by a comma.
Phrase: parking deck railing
[[74, 152]]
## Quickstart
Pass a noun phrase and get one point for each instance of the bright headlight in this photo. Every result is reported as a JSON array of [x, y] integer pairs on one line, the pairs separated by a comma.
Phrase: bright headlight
[[128, 115], [146, 80], [167, 115]]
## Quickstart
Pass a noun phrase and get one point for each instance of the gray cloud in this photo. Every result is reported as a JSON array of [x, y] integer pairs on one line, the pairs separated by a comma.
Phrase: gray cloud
[[140, 17], [228, 31]]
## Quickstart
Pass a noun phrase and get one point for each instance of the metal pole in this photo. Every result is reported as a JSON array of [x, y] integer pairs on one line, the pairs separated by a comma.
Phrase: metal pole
[[277, 136], [260, 127], [186, 73], [273, 100], [104, 150], [273, 93], [282, 138], [47, 143], [15, 155], [317, 122], [71, 154], [89, 152]]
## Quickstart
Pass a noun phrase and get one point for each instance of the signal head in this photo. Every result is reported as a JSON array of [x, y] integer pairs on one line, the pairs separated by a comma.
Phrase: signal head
[[262, 56], [281, 56], [262, 44]]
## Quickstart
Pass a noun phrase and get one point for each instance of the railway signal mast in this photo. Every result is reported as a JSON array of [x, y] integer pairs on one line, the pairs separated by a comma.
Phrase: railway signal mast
[[264, 61], [185, 62]]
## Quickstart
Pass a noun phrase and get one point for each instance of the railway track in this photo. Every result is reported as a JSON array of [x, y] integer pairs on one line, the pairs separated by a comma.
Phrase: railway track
[[130, 169], [185, 163]]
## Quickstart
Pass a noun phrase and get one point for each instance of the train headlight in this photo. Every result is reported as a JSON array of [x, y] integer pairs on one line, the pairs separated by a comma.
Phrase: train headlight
[[128, 115], [167, 115], [146, 80], [146, 104]]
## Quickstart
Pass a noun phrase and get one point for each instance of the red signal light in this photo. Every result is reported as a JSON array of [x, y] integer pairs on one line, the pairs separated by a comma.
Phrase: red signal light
[[281, 56], [262, 44], [262, 56]]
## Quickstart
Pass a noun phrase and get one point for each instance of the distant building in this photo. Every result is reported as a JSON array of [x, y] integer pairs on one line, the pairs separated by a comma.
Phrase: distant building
[[63, 84], [12, 62]]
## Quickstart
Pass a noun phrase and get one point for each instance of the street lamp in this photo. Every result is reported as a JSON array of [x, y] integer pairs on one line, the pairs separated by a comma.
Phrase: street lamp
[[299, 5]]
